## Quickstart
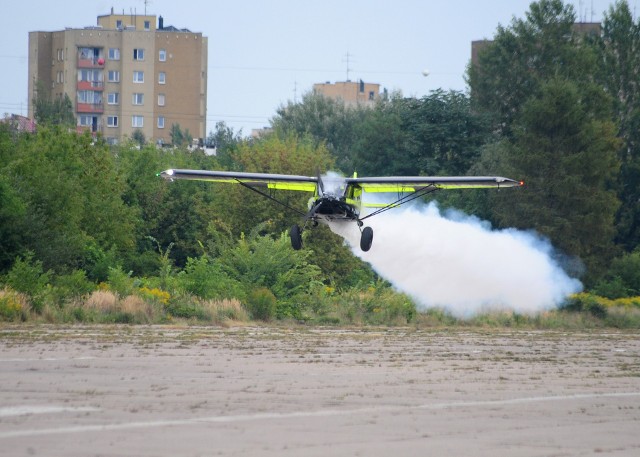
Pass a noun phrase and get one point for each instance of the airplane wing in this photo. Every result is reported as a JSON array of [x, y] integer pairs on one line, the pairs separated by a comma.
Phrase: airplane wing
[[407, 184], [265, 180]]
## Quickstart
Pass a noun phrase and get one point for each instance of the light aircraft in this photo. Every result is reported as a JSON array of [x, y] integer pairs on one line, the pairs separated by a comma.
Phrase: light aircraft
[[342, 199]]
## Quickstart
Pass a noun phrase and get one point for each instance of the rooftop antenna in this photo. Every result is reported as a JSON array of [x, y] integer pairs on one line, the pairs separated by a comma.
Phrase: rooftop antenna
[[295, 92], [146, 3], [348, 60], [592, 12]]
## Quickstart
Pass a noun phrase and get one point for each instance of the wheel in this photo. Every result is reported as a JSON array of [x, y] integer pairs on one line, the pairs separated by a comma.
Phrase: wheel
[[366, 239], [296, 237]]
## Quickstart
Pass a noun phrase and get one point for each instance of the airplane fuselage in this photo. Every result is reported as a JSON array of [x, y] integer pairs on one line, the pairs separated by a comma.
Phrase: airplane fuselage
[[331, 208]]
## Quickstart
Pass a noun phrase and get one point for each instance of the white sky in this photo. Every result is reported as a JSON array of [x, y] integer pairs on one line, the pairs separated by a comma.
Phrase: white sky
[[263, 53]]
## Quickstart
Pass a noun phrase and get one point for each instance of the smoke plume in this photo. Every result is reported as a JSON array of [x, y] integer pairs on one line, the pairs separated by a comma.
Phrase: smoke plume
[[458, 262]]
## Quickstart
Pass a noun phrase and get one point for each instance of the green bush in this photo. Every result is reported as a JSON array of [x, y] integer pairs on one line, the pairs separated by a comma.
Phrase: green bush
[[120, 282], [205, 279], [70, 286], [261, 304], [28, 277], [586, 303], [185, 307], [12, 306]]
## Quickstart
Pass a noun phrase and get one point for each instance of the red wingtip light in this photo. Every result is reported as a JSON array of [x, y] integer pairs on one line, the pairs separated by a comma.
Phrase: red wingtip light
[[521, 183]]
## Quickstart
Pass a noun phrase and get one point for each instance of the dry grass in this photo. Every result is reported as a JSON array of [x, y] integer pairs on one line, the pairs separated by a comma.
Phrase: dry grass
[[223, 311], [102, 301], [135, 305]]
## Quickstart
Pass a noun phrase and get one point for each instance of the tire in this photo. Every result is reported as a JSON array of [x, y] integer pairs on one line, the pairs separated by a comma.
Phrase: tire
[[296, 237], [366, 239]]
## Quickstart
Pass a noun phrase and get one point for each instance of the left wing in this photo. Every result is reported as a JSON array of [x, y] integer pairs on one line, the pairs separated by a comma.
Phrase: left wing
[[402, 184], [268, 180]]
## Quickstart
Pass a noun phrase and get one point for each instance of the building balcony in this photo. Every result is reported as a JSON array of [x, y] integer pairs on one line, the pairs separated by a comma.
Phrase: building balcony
[[84, 62], [90, 107], [91, 85]]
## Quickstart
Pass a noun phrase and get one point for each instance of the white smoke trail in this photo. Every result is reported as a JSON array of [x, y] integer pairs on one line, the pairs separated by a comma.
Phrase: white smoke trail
[[457, 262]]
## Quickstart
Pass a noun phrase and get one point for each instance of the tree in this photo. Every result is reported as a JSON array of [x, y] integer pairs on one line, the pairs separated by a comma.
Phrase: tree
[[138, 137], [243, 209], [50, 110], [71, 198], [180, 137], [437, 134], [329, 122], [620, 66], [225, 141], [567, 158], [513, 67]]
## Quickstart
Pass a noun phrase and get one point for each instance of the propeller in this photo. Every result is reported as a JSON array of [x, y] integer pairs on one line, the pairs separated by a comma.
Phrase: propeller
[[320, 183]]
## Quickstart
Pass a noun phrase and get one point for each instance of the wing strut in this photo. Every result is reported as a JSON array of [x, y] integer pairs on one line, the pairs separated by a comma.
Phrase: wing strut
[[402, 200], [271, 198]]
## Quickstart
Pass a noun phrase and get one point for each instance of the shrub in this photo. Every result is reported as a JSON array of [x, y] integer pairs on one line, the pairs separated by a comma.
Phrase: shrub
[[186, 307], [28, 277], [586, 302], [72, 286], [13, 305], [206, 280], [262, 304], [120, 282], [264, 262], [154, 295]]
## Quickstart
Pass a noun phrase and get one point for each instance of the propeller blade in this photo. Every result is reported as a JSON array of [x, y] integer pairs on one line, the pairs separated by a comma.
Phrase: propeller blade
[[320, 183]]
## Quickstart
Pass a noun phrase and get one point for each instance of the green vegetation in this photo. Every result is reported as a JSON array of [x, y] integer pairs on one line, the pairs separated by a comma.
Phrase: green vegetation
[[88, 233]]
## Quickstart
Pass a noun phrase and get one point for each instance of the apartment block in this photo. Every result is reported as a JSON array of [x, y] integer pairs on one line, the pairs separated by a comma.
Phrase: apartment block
[[127, 73], [351, 93]]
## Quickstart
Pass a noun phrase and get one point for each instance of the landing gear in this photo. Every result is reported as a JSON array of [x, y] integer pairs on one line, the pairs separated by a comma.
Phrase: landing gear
[[366, 239], [296, 237]]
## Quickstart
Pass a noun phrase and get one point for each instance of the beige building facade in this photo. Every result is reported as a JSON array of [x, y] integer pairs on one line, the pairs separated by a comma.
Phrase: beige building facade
[[351, 93], [127, 73]]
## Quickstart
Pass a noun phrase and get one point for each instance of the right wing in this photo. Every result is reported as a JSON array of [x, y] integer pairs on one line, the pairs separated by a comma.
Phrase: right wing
[[402, 184]]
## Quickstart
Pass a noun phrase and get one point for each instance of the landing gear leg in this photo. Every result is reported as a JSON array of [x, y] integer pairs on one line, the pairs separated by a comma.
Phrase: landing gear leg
[[366, 239], [296, 237]]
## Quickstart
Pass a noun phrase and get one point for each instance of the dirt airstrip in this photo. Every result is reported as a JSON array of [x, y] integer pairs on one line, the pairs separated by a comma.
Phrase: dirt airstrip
[[273, 391]]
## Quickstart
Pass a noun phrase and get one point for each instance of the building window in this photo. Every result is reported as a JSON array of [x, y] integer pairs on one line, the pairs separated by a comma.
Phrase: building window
[[147, 25], [137, 121], [138, 99], [162, 55], [85, 121], [113, 76], [160, 122], [138, 76], [60, 77], [162, 77], [113, 98], [138, 54], [118, 24], [60, 54], [160, 99], [114, 53], [371, 95], [90, 96], [112, 121]]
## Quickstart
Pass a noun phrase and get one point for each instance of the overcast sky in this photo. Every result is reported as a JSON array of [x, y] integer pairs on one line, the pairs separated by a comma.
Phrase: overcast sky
[[263, 53]]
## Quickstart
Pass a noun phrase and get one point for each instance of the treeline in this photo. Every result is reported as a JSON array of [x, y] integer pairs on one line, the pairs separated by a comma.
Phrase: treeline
[[80, 217], [548, 104]]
